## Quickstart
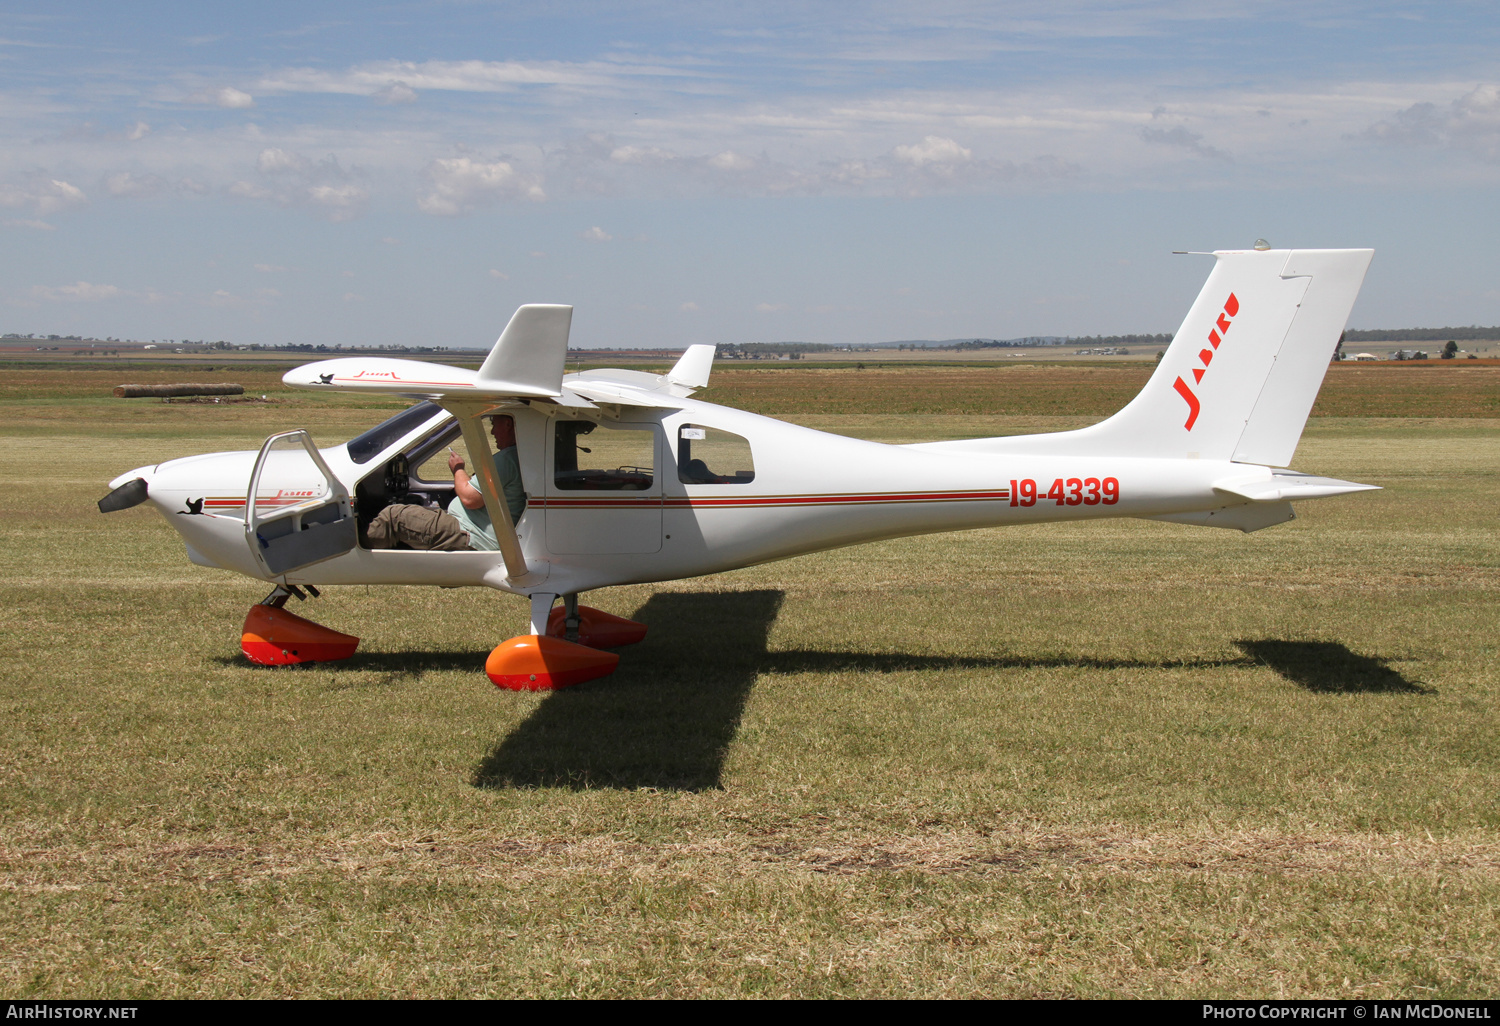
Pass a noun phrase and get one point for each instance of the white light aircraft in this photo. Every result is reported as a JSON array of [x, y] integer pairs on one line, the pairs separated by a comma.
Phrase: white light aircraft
[[630, 479]]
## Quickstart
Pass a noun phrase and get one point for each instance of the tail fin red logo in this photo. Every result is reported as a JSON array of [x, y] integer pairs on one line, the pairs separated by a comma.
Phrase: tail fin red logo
[[1215, 338]]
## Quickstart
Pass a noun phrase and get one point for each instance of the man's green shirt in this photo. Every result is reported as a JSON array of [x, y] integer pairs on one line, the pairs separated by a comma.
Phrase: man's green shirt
[[477, 521]]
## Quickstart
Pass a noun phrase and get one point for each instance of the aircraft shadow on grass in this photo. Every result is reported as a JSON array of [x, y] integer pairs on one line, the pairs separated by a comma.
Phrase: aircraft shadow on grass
[[664, 719], [667, 717], [1326, 667]]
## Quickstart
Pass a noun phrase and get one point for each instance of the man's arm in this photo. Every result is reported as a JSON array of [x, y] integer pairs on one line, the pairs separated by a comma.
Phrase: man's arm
[[462, 484]]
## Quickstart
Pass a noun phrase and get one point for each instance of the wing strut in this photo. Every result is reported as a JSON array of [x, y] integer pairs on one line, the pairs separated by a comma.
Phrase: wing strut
[[489, 485]]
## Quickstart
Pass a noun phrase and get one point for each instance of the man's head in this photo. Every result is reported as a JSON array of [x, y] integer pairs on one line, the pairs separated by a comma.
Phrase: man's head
[[503, 429]]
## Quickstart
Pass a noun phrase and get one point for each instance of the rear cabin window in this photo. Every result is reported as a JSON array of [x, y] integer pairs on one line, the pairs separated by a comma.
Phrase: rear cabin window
[[707, 455], [588, 457]]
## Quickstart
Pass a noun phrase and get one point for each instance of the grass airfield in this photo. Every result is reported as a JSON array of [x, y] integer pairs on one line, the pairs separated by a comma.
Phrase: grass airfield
[[1111, 759]]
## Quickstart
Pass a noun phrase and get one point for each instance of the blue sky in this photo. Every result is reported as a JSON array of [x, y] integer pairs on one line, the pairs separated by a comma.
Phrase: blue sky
[[680, 173]]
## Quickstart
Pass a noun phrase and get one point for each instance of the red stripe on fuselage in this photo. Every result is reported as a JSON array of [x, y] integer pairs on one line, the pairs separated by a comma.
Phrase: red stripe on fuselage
[[838, 499]]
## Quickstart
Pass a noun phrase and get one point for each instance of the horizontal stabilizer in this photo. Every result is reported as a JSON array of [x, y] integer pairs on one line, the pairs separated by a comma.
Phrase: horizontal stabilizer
[[1287, 486]]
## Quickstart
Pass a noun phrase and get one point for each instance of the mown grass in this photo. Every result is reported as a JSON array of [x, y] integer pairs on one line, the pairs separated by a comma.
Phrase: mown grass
[[1120, 758]]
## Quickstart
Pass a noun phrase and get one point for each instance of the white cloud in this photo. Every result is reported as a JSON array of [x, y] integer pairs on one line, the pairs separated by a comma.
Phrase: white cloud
[[295, 180], [138, 132], [770, 307], [858, 173], [269, 268], [730, 161], [934, 150], [396, 92], [341, 200], [79, 292], [499, 275], [461, 184], [598, 164], [1470, 123], [43, 195], [689, 307], [31, 222], [275, 161], [641, 155], [233, 99], [248, 190], [375, 78], [126, 184], [227, 97], [595, 234], [1181, 138]]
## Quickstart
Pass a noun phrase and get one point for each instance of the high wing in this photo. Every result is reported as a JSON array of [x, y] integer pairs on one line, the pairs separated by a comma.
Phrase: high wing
[[526, 363]]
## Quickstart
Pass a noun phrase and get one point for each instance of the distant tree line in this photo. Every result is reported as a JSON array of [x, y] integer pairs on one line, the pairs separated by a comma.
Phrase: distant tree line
[[783, 347], [1119, 340], [1471, 333]]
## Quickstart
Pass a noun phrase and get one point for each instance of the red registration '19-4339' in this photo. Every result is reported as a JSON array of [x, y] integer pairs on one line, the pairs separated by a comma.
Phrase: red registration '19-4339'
[[1073, 491]]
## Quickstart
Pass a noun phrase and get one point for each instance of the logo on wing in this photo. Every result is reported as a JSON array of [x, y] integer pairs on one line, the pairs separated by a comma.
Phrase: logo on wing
[[1215, 337]]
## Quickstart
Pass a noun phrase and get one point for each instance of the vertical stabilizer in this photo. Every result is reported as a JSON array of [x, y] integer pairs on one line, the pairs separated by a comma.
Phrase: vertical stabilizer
[[1241, 374]]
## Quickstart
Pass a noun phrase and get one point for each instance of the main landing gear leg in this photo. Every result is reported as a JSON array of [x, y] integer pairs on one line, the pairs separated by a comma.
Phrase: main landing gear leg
[[571, 621], [592, 627], [541, 662], [274, 637]]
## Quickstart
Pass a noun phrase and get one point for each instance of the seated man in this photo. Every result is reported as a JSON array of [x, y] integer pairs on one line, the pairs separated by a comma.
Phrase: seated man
[[466, 525]]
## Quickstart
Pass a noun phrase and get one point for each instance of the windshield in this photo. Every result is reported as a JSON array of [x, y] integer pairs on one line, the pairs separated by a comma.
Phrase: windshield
[[382, 436]]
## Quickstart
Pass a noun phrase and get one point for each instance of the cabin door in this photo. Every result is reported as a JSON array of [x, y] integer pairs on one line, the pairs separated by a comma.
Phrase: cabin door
[[297, 512], [603, 488]]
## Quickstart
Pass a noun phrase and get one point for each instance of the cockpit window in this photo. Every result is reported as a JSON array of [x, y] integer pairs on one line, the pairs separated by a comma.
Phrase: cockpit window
[[707, 455], [381, 437]]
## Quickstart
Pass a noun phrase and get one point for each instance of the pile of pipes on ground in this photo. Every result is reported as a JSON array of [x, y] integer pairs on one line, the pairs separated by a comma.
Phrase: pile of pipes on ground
[[170, 391]]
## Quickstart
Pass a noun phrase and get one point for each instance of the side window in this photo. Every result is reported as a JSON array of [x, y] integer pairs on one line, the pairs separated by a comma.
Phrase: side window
[[429, 458], [707, 455], [587, 457]]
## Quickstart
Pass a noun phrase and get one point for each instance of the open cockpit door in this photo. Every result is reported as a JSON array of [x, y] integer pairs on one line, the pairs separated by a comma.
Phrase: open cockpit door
[[297, 512]]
